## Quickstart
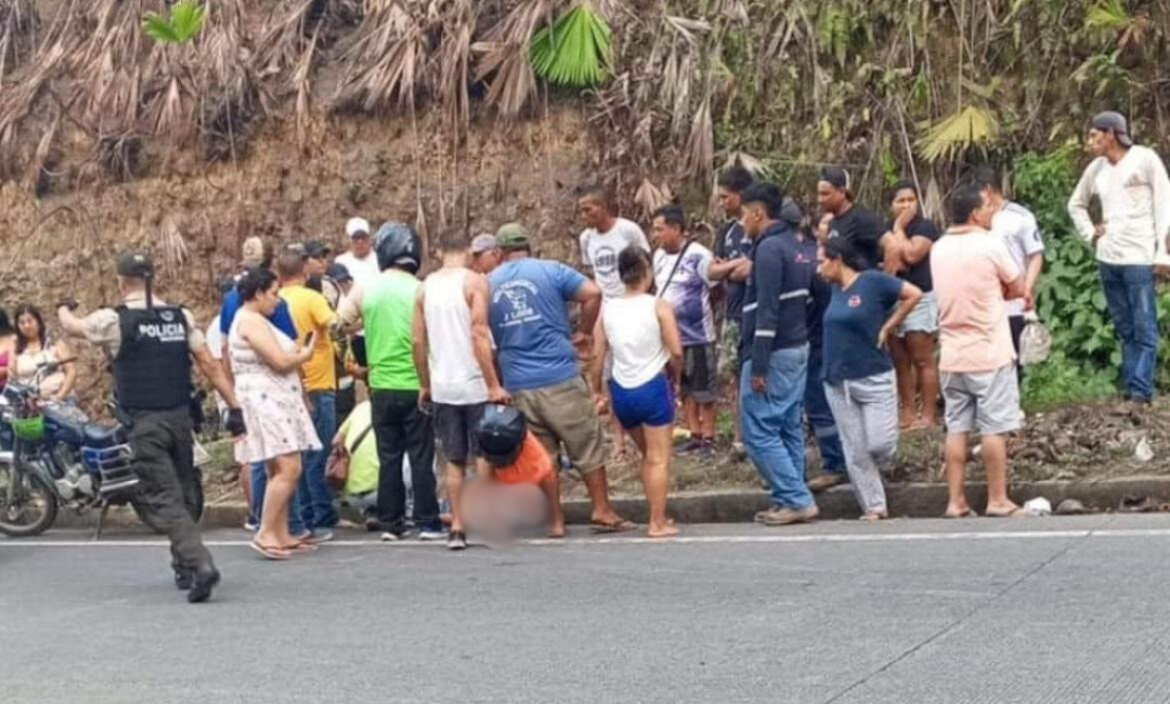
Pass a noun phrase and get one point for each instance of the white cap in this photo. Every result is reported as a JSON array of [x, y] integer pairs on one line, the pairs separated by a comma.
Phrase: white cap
[[357, 225]]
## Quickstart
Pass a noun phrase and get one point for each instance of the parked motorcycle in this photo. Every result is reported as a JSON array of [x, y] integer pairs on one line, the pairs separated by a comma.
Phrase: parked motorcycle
[[52, 456]]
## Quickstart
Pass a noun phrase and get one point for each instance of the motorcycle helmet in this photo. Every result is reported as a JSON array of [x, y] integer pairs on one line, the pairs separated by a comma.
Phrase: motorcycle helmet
[[500, 434], [398, 245]]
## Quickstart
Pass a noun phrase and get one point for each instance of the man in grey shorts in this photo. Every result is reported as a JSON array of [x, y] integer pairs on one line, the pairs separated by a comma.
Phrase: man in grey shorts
[[973, 276]]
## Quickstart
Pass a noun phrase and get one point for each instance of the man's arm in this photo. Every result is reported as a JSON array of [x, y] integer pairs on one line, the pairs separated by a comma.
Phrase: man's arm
[[767, 311], [1078, 206], [419, 346], [349, 312], [1160, 183], [214, 372], [589, 296], [1031, 277], [71, 325], [478, 295]]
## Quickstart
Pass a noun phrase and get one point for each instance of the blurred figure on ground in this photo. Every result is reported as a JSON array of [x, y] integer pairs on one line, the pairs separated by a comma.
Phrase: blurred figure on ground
[[280, 429], [314, 320], [538, 361], [915, 347], [775, 353], [859, 375], [640, 331], [456, 369], [356, 442], [510, 454], [385, 305], [973, 276], [681, 268]]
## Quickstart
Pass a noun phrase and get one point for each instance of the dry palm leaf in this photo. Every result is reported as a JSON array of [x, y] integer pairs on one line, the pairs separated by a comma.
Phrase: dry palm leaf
[[385, 63], [504, 57], [970, 128], [700, 150], [650, 197], [174, 246]]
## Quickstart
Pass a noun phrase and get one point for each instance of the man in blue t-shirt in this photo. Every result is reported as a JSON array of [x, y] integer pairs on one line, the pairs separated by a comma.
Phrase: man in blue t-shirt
[[538, 361]]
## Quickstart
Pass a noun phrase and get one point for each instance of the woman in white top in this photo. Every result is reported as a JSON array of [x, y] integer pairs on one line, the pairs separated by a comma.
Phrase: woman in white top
[[33, 351], [641, 332], [266, 363]]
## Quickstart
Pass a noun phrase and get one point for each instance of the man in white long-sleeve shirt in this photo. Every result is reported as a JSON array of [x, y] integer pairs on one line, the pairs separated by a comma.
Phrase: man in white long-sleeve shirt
[[1134, 190]]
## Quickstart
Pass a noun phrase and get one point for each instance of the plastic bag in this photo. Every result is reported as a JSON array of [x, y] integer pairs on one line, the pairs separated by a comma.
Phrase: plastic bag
[[1035, 341]]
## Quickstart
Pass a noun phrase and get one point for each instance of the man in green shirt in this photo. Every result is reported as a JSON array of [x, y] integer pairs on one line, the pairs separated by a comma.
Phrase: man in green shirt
[[384, 306]]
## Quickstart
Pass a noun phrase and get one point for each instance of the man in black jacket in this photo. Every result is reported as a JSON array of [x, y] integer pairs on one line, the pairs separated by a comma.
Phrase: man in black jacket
[[774, 350]]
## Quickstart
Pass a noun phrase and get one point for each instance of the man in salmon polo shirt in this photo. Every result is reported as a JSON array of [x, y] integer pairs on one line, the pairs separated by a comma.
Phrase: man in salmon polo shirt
[[974, 274]]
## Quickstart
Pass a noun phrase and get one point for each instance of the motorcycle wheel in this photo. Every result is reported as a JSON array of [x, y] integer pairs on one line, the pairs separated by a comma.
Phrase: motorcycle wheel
[[28, 505]]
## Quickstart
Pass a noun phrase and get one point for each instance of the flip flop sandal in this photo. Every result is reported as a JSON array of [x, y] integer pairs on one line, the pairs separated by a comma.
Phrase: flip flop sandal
[[303, 547], [969, 513], [617, 527], [1014, 513], [269, 552]]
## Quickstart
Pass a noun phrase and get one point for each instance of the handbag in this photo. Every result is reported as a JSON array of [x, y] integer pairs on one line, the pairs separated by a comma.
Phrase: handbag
[[337, 470]]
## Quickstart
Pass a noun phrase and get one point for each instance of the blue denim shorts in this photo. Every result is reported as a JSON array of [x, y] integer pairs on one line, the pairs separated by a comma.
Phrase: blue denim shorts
[[650, 404]]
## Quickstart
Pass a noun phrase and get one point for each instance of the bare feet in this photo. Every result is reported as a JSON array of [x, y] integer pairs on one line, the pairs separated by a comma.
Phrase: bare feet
[[665, 530], [875, 516], [557, 530]]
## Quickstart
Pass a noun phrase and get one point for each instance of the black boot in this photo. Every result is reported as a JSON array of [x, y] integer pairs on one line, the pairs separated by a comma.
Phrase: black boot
[[184, 577], [204, 580]]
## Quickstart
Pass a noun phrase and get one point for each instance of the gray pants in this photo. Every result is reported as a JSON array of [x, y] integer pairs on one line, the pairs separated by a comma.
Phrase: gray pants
[[866, 411]]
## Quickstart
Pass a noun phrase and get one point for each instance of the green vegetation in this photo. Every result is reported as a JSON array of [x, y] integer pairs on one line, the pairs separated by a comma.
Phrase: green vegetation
[[576, 51], [184, 24]]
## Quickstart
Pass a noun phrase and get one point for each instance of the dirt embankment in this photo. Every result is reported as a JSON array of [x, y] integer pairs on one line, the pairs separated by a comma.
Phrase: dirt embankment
[[194, 219]]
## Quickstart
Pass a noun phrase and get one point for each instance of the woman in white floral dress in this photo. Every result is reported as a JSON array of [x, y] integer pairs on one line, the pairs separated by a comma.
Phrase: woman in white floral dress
[[266, 363]]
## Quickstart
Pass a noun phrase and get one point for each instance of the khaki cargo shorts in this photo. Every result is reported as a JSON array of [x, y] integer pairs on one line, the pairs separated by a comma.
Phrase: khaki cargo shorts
[[564, 413]]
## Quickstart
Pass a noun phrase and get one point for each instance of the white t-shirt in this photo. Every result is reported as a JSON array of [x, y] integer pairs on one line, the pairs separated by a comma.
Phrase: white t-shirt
[[635, 337], [689, 292], [1016, 225], [362, 270], [600, 252], [1135, 207]]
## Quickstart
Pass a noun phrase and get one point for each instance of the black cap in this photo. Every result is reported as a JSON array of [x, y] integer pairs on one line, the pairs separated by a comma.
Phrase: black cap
[[837, 177], [316, 249], [135, 265], [1116, 123], [339, 273]]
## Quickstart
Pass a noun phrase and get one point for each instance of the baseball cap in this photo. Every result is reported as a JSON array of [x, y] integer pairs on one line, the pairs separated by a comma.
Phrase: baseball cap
[[837, 177], [512, 236], [316, 249], [137, 265], [483, 243], [339, 273], [357, 227], [252, 253], [1116, 123]]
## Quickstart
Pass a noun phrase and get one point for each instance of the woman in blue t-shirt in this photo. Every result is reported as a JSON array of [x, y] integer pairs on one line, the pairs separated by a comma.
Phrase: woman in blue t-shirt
[[866, 309]]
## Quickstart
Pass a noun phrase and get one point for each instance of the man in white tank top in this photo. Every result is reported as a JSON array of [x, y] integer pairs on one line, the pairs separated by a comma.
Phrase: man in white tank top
[[453, 356]]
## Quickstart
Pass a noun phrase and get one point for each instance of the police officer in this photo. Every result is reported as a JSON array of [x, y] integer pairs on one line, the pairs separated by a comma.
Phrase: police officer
[[152, 345]]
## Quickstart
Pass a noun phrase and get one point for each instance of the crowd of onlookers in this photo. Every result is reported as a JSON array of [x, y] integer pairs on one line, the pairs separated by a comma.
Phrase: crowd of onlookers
[[349, 370]]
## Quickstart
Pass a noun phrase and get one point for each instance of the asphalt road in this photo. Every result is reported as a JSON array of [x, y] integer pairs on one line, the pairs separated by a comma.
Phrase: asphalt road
[[1026, 610]]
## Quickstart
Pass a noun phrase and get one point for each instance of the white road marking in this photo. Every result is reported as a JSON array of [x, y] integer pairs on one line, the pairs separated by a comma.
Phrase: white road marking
[[638, 540]]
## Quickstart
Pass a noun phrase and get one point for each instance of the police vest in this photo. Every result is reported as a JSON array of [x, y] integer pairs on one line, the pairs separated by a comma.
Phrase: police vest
[[152, 371]]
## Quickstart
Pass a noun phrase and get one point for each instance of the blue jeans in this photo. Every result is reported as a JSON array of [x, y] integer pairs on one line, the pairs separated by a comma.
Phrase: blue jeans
[[316, 501], [296, 526], [1133, 304], [820, 416], [773, 428]]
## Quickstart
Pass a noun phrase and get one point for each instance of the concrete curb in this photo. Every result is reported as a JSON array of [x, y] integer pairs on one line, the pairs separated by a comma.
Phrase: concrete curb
[[917, 500]]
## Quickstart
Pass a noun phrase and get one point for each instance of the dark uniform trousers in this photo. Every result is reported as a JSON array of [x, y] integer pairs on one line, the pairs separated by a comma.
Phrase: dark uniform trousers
[[164, 459]]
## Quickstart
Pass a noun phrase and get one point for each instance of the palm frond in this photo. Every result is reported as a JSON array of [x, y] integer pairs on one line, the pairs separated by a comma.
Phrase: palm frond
[[700, 150], [650, 197], [576, 51], [970, 128], [504, 57], [184, 23]]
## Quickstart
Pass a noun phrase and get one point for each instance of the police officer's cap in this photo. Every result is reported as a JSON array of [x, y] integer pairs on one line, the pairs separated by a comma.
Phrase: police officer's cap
[[135, 265]]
